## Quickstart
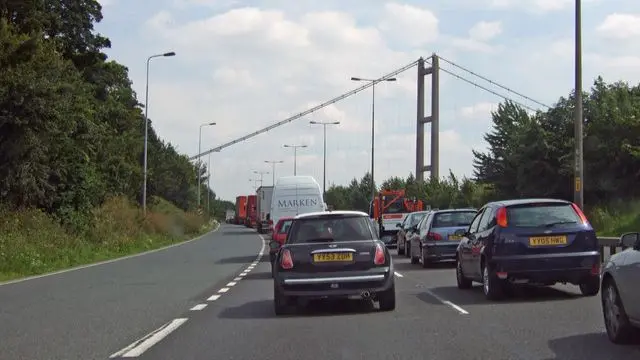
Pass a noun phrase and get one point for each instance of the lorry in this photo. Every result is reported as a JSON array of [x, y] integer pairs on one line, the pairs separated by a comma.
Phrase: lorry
[[251, 211], [264, 195], [241, 209], [229, 216], [389, 209]]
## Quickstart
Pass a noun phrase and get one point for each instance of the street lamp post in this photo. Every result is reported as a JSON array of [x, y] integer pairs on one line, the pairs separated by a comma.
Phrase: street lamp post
[[295, 156], [261, 173], [146, 130], [324, 151], [373, 117], [199, 151], [273, 169], [578, 196]]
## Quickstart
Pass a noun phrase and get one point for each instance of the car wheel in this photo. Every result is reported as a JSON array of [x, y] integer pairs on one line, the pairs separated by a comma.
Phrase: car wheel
[[423, 259], [387, 299], [463, 282], [616, 321], [491, 285], [281, 304], [590, 287]]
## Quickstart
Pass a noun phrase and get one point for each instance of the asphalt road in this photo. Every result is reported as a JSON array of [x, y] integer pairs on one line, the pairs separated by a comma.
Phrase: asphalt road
[[92, 312], [225, 274]]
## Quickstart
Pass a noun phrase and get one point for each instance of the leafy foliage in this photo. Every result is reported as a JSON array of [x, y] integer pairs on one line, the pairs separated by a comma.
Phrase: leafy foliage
[[71, 127], [531, 155]]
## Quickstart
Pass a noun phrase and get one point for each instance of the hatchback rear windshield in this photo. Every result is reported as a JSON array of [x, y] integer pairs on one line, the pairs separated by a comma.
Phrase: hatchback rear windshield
[[415, 219], [330, 228], [285, 226], [453, 219], [539, 215]]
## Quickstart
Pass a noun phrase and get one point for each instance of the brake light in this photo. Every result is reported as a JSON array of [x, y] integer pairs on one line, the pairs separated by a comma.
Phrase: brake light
[[501, 217], [581, 215], [595, 269], [286, 260], [434, 236], [379, 258]]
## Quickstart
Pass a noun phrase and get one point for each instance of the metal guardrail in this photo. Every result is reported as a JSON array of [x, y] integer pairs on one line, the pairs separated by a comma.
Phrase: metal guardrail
[[612, 244]]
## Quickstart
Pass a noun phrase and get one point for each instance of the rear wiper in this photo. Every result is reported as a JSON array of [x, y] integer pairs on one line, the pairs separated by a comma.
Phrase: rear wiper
[[321, 239], [559, 223]]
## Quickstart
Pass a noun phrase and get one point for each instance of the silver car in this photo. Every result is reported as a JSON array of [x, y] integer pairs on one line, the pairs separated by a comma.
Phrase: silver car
[[621, 293]]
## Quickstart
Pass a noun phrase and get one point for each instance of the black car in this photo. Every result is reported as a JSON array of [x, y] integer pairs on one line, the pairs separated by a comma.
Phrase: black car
[[333, 254], [406, 230], [528, 241]]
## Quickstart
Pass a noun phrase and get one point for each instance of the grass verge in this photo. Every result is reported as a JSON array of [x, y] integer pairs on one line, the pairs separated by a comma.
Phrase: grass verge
[[616, 219], [33, 243]]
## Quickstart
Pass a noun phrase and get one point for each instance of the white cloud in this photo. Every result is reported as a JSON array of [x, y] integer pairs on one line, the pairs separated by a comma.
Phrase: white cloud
[[413, 25], [249, 67], [485, 30], [620, 26], [478, 110]]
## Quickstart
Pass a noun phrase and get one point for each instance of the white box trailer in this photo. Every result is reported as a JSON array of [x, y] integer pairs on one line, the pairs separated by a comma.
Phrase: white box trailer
[[263, 195]]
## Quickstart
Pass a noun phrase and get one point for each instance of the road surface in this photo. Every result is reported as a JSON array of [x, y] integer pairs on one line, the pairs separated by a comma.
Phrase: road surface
[[212, 299]]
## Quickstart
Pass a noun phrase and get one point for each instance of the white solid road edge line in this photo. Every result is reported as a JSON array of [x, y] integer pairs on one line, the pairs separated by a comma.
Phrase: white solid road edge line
[[109, 261], [447, 302], [139, 347]]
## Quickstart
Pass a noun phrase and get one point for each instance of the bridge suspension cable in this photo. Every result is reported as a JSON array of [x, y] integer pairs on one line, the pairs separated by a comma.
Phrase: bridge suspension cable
[[483, 88], [494, 83], [308, 111]]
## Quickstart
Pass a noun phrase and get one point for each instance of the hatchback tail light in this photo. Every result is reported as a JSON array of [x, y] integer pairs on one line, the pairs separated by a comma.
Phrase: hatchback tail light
[[434, 236], [286, 260], [501, 217], [379, 258], [583, 218]]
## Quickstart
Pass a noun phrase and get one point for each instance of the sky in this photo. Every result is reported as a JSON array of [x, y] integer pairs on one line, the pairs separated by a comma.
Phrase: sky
[[248, 64]]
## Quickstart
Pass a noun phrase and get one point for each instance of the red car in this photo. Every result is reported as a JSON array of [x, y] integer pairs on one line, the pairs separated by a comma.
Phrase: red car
[[278, 236]]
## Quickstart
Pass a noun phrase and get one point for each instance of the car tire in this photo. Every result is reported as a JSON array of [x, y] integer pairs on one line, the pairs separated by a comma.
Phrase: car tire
[[387, 299], [463, 282], [492, 287], [590, 287], [415, 260], [281, 303], [619, 329], [426, 263]]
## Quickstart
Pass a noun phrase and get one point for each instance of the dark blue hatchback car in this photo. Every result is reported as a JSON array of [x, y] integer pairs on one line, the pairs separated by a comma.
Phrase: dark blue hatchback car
[[528, 241]]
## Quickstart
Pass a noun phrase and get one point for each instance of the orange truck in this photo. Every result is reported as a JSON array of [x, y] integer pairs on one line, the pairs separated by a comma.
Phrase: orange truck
[[389, 209], [252, 211], [241, 209]]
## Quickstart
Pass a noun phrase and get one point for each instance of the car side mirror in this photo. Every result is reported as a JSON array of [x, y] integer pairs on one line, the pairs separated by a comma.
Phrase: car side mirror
[[398, 225], [630, 240], [414, 228]]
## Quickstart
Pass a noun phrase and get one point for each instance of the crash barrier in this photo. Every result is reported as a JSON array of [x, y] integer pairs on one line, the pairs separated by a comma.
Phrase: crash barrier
[[608, 246]]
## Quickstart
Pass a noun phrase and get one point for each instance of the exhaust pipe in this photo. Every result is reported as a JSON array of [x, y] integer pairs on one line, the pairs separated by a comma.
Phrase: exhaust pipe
[[365, 295]]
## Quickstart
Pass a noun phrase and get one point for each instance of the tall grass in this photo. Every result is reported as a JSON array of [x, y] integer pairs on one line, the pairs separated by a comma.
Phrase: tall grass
[[31, 242], [616, 218]]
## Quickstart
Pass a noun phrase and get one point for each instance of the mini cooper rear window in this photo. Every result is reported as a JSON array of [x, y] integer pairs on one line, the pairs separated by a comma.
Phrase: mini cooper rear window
[[330, 228]]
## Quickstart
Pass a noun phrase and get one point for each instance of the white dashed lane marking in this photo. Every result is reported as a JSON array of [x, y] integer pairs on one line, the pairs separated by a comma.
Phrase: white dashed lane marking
[[138, 347]]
